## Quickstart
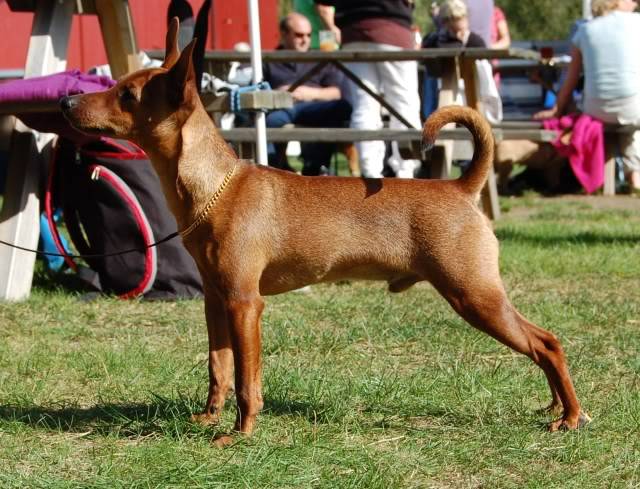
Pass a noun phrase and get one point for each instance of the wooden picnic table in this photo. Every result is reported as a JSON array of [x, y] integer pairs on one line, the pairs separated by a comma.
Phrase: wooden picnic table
[[345, 56], [456, 63], [345, 135], [47, 53]]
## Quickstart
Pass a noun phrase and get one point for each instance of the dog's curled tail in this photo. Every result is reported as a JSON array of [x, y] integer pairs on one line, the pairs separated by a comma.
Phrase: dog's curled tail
[[482, 163]]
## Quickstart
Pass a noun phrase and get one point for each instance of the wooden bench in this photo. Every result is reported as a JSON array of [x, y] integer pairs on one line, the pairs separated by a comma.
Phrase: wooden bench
[[453, 143], [409, 141], [256, 100]]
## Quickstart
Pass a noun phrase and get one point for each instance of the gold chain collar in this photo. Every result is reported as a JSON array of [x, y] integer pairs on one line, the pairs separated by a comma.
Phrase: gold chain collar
[[203, 214]]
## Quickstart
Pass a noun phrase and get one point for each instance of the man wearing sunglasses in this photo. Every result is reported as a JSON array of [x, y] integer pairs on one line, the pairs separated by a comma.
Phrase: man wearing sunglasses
[[317, 103]]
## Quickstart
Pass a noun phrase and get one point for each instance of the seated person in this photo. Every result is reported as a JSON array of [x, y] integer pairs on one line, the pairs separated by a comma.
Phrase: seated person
[[317, 103], [500, 37], [454, 31], [603, 49]]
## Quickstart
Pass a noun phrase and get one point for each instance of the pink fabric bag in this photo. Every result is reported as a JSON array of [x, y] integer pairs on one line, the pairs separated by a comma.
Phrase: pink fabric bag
[[585, 148], [51, 88]]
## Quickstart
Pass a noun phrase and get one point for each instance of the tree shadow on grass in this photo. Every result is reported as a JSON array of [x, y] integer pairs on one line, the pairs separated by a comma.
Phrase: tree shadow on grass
[[578, 238], [314, 412], [171, 418], [55, 282], [374, 416], [163, 417]]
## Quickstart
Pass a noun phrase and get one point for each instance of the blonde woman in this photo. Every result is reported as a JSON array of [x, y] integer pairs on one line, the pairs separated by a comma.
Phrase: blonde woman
[[454, 18], [605, 49]]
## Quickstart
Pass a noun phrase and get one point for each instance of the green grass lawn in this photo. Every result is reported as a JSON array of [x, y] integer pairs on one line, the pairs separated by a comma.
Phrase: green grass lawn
[[362, 388]]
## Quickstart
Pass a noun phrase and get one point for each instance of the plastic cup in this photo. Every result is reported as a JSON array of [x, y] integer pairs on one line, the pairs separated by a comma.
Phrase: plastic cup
[[327, 40]]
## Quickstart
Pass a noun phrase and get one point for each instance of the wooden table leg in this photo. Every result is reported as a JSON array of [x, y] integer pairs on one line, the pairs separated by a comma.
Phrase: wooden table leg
[[489, 194], [610, 146], [20, 216], [609, 187], [119, 36], [49, 40], [442, 159]]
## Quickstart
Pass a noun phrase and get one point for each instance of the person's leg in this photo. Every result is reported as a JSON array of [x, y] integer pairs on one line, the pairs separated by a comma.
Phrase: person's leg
[[279, 118], [430, 93], [331, 113], [277, 153], [366, 112], [400, 85], [630, 148], [621, 111], [316, 157]]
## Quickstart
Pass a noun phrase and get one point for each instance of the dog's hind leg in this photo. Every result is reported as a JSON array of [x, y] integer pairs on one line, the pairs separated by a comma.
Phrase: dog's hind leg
[[486, 307], [220, 357]]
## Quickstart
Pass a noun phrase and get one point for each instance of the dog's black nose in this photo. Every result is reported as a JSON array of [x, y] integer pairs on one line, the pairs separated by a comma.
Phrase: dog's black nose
[[67, 103]]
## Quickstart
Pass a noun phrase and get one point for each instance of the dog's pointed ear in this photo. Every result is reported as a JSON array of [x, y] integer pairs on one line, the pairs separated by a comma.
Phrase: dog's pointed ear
[[171, 53], [182, 75]]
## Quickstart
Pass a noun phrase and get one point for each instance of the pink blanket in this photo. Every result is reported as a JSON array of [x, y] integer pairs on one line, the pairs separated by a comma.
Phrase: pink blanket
[[585, 148]]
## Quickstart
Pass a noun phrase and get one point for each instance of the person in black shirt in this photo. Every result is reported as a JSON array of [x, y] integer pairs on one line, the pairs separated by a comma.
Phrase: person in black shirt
[[380, 26], [317, 103]]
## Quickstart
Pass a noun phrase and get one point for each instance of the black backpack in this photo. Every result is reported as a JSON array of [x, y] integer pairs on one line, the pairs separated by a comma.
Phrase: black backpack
[[112, 201]]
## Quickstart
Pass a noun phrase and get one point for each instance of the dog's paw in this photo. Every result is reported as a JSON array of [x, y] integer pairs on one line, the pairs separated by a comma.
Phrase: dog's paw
[[584, 419], [205, 419], [555, 408], [222, 441], [565, 424]]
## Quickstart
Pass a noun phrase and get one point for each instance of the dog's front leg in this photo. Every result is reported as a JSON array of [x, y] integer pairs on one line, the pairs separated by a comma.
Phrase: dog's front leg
[[220, 357], [555, 407], [244, 311]]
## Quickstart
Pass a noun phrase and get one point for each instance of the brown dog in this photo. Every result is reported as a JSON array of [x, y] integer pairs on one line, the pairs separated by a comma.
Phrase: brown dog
[[256, 231]]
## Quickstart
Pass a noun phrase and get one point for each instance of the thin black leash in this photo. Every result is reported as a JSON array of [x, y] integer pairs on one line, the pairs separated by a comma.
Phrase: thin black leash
[[97, 255], [184, 233]]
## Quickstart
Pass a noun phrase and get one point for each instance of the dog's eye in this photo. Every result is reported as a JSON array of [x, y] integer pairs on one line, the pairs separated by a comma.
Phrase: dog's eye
[[127, 96]]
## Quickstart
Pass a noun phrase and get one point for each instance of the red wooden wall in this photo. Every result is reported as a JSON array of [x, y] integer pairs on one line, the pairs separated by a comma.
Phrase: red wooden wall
[[228, 24]]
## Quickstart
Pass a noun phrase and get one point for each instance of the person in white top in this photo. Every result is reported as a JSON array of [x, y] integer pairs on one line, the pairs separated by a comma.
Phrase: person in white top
[[605, 50]]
